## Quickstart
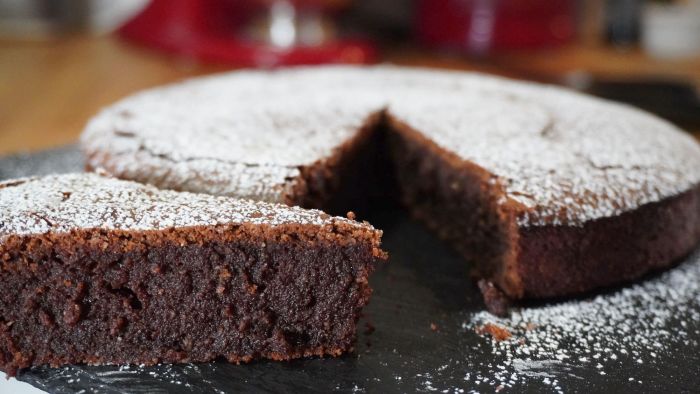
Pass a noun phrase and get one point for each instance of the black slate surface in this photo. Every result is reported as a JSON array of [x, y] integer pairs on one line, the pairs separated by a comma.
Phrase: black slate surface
[[397, 350]]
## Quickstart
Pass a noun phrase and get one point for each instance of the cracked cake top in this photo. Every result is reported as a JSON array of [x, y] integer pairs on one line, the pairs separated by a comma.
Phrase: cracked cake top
[[562, 157]]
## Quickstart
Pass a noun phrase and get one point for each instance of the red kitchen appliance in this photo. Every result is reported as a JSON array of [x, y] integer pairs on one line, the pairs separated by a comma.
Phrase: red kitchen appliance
[[482, 26], [250, 33]]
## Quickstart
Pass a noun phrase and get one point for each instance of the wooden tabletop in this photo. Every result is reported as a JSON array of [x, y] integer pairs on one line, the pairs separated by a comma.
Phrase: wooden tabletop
[[48, 90]]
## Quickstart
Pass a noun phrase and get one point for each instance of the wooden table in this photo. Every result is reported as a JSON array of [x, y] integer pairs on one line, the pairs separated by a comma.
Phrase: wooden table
[[49, 90]]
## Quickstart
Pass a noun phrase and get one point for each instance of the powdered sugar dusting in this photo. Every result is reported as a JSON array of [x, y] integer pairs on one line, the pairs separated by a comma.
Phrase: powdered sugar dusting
[[61, 203], [567, 158], [243, 134], [564, 157], [632, 326]]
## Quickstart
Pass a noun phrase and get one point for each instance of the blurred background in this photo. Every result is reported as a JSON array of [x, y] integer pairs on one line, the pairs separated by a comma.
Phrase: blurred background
[[61, 60]]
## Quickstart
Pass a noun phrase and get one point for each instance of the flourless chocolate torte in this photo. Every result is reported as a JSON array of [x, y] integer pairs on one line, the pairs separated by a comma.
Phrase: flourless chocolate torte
[[102, 271], [547, 191]]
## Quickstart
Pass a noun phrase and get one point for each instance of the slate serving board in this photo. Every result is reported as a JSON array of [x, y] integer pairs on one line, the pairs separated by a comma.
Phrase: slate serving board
[[411, 339]]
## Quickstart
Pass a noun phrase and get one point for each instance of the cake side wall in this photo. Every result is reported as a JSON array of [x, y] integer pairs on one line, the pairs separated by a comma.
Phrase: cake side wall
[[187, 295], [459, 202], [334, 183], [569, 260]]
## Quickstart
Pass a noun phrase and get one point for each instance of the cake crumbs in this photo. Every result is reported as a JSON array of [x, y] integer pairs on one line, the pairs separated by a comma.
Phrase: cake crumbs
[[497, 332]]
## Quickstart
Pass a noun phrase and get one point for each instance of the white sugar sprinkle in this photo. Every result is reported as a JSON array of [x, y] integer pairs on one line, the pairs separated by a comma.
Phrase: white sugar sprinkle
[[577, 335], [61, 203]]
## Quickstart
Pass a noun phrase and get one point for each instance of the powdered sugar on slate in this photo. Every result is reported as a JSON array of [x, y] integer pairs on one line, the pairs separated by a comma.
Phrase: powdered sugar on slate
[[631, 325], [61, 203], [567, 158]]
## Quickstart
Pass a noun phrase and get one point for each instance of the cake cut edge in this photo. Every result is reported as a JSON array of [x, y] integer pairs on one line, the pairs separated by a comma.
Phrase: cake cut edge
[[238, 291]]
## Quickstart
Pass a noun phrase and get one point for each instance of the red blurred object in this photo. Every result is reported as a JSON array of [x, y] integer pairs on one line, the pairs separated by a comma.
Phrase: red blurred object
[[480, 26], [259, 33]]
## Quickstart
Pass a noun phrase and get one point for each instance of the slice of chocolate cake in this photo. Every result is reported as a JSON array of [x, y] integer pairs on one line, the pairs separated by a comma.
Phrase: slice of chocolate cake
[[101, 271]]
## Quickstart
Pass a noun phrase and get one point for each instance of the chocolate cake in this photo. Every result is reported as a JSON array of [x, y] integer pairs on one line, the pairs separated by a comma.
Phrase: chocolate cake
[[546, 191], [102, 271]]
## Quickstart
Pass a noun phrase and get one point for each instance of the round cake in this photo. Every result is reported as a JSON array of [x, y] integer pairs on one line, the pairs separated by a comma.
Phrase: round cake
[[547, 191]]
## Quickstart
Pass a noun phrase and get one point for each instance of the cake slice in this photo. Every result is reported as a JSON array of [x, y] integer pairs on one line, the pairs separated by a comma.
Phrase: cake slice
[[102, 271]]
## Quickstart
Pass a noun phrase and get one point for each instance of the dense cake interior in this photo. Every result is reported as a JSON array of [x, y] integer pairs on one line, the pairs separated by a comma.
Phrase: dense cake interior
[[182, 295], [457, 201], [352, 178], [388, 161]]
